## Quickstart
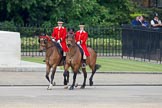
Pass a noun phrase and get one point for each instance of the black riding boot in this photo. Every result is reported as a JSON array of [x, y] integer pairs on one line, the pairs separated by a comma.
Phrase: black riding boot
[[64, 60], [84, 63]]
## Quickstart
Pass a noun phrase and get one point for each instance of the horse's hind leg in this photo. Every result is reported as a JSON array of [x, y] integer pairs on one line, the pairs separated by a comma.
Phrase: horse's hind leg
[[91, 77], [85, 77]]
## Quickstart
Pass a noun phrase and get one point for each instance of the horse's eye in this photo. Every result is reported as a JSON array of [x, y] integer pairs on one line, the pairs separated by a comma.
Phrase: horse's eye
[[45, 41]]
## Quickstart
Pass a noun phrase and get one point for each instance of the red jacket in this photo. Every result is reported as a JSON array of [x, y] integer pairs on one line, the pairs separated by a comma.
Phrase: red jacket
[[82, 37], [60, 34]]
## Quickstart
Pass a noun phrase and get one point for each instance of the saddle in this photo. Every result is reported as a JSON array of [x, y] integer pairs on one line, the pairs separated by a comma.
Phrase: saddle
[[81, 51], [58, 47], [59, 50]]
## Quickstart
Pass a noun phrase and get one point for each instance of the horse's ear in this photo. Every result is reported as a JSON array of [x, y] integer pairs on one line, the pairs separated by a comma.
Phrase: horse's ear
[[38, 40]]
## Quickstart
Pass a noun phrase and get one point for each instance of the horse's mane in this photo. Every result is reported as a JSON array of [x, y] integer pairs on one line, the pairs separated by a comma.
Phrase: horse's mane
[[71, 31], [45, 37]]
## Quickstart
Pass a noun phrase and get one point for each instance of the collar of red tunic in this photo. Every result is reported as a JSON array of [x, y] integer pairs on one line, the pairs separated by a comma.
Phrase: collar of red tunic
[[59, 27], [81, 31]]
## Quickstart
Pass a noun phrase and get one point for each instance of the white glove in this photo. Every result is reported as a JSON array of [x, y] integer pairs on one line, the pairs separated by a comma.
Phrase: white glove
[[78, 42], [53, 40], [58, 41]]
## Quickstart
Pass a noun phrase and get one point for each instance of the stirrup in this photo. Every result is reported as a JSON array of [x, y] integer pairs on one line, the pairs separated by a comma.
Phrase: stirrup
[[83, 65]]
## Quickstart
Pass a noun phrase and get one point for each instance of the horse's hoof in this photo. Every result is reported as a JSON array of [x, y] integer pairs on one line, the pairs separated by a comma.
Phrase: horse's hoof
[[76, 85], [71, 88], [54, 83], [49, 88], [91, 83], [65, 83], [66, 87], [82, 87]]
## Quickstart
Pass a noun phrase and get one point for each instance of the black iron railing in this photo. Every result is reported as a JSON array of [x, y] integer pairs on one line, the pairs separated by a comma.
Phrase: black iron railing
[[129, 41], [141, 42], [106, 41]]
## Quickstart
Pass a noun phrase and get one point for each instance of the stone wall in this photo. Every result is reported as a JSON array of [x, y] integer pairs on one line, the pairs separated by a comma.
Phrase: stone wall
[[10, 48]]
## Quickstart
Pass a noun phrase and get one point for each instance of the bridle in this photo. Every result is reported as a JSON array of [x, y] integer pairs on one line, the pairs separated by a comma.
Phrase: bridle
[[71, 40], [45, 46], [72, 45]]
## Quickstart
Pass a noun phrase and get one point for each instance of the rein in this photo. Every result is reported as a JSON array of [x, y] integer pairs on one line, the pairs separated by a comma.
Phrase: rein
[[50, 51], [50, 47]]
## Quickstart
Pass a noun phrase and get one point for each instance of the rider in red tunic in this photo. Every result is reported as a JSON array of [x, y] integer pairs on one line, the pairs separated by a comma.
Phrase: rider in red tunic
[[59, 35], [81, 37]]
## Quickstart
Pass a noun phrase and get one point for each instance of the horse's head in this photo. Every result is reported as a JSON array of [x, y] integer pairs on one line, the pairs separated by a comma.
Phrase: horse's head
[[70, 40], [43, 42]]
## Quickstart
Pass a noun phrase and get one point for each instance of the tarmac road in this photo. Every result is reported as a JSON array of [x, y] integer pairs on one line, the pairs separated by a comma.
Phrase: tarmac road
[[90, 97], [29, 90], [26, 87], [100, 79]]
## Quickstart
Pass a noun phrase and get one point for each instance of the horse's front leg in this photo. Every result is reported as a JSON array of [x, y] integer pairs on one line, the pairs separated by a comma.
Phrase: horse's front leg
[[85, 77], [74, 79], [52, 78], [66, 75], [47, 72], [48, 67]]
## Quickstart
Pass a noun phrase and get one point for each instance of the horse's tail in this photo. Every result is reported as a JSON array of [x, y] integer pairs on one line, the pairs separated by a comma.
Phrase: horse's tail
[[97, 66]]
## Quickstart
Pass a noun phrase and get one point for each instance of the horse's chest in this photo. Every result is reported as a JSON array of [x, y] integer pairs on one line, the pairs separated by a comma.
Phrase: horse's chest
[[73, 60]]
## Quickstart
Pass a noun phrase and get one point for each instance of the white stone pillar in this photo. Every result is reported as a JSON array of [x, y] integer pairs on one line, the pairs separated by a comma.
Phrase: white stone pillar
[[10, 48]]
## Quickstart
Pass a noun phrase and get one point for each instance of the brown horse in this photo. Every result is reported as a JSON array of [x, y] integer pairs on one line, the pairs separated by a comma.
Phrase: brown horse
[[53, 58], [74, 60]]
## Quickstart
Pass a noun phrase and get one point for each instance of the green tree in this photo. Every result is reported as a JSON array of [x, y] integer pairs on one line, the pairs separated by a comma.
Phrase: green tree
[[118, 11], [46, 12]]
